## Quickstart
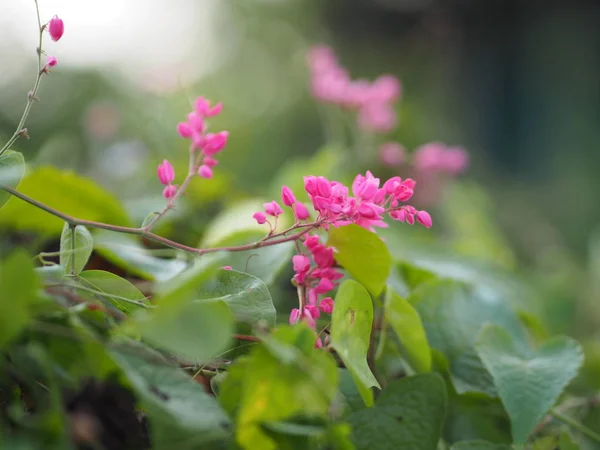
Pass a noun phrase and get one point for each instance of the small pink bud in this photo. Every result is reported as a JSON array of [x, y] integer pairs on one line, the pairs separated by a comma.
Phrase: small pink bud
[[287, 196], [227, 268], [184, 130], [205, 172], [301, 211], [325, 285], [51, 61], [210, 161], [56, 28], [169, 191], [166, 173], [424, 219], [294, 316], [326, 305], [260, 218], [273, 208], [313, 311]]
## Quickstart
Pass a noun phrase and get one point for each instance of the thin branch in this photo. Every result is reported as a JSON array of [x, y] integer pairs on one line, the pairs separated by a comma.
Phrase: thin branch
[[575, 425], [31, 97]]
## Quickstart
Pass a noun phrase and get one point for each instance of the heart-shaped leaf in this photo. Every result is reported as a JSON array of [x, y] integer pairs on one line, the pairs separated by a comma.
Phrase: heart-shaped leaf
[[363, 254], [409, 413], [528, 382]]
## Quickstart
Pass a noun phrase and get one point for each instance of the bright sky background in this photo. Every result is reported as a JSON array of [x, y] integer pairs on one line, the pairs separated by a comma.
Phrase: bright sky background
[[145, 39]]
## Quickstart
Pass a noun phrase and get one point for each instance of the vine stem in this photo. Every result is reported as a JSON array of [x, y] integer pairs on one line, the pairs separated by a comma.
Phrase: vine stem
[[31, 97], [273, 239], [575, 425]]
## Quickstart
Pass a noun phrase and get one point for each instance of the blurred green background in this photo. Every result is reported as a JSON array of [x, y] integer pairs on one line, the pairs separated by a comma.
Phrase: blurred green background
[[514, 82]]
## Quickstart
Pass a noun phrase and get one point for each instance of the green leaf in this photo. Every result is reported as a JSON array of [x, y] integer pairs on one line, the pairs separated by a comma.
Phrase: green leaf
[[452, 314], [180, 413], [265, 263], [528, 382], [195, 331], [127, 253], [409, 413], [351, 332], [12, 170], [247, 296], [18, 292], [63, 190], [76, 245], [302, 383], [363, 254], [407, 325], [566, 442], [114, 289], [479, 445]]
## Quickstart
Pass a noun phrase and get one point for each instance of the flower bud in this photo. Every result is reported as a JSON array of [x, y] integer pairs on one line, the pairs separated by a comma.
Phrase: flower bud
[[273, 208], [287, 196], [51, 61], [56, 28], [205, 172], [166, 173], [300, 211], [169, 191], [260, 217], [326, 305]]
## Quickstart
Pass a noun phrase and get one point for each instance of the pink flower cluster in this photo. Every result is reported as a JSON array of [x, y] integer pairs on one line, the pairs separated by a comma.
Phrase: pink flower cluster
[[195, 129], [374, 101], [436, 157], [205, 145], [315, 281]]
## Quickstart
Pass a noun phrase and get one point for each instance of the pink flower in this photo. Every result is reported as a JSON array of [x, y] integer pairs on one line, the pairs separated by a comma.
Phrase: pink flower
[[301, 263], [377, 118], [166, 173], [203, 108], [214, 143], [227, 268], [300, 211], [169, 191], [205, 171], [287, 196], [184, 129], [260, 218], [294, 316], [51, 61], [326, 305], [210, 161], [313, 311], [324, 285], [424, 219], [392, 154], [273, 208], [456, 160], [56, 28], [385, 89]]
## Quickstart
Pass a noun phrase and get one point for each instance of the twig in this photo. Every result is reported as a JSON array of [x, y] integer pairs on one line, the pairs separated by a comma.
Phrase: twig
[[575, 425]]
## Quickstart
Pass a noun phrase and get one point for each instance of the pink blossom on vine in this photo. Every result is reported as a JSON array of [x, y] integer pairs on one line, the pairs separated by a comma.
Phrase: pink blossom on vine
[[227, 268], [287, 196], [377, 118], [385, 89], [169, 191], [294, 316], [214, 143], [56, 28], [205, 171], [301, 211], [210, 161], [51, 61], [260, 218], [273, 208], [203, 108], [436, 157], [326, 305], [424, 219], [166, 173]]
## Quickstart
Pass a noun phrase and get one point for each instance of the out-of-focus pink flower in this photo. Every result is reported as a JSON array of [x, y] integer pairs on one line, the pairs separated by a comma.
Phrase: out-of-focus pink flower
[[436, 157], [185, 130], [56, 28], [313, 310], [210, 161], [214, 143], [227, 268], [392, 154], [273, 208], [294, 316], [385, 89], [51, 61], [326, 305], [456, 160], [377, 118], [166, 173], [205, 171], [203, 108], [300, 211], [169, 191], [260, 217], [287, 196]]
